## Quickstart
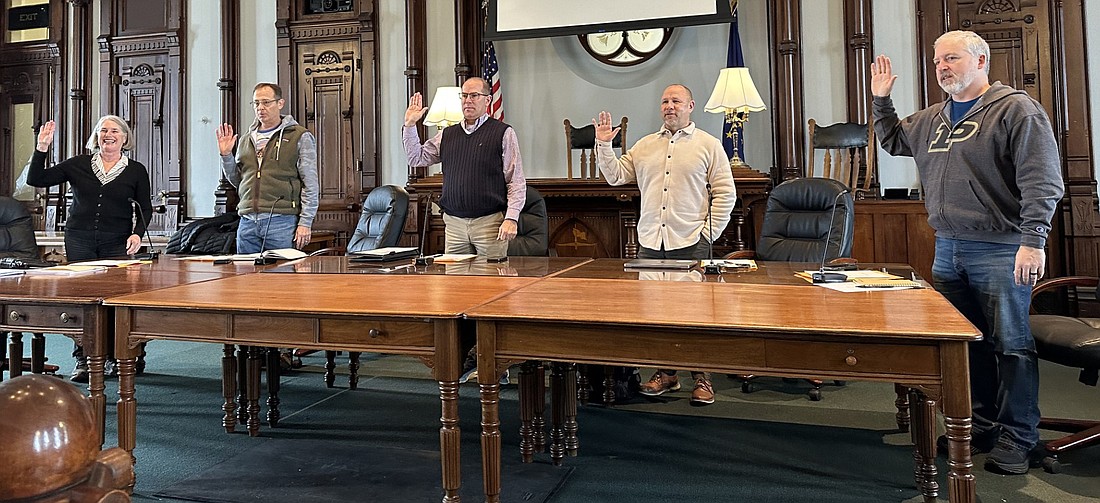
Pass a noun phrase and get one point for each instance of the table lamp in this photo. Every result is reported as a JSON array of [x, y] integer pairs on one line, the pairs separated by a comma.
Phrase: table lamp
[[446, 108], [735, 95]]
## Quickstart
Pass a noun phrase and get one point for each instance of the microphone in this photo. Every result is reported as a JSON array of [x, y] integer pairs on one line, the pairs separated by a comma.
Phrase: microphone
[[711, 267], [831, 277], [152, 254], [261, 260], [420, 258]]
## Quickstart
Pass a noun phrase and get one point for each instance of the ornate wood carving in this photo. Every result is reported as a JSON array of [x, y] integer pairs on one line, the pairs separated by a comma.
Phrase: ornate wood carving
[[328, 77], [141, 51], [859, 35], [416, 57]]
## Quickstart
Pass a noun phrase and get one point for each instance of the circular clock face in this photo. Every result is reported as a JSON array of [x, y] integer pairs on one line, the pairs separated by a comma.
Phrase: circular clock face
[[625, 48]]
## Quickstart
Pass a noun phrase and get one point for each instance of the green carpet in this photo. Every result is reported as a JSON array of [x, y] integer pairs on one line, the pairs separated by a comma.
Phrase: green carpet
[[771, 445]]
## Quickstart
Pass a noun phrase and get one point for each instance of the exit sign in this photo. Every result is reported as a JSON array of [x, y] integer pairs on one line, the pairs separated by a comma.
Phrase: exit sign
[[28, 17]]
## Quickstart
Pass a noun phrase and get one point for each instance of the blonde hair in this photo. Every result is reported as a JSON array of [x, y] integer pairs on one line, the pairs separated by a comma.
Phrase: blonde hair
[[93, 139]]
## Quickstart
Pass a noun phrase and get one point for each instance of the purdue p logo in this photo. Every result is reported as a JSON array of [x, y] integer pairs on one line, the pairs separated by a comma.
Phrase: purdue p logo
[[946, 136]]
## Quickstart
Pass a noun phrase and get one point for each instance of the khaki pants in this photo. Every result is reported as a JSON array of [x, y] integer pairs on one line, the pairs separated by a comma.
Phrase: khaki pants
[[475, 235]]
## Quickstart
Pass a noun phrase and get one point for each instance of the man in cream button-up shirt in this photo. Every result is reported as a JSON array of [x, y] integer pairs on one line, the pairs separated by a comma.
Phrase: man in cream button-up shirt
[[681, 172]]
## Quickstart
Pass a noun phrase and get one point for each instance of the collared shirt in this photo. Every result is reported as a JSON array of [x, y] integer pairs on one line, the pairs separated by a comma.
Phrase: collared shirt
[[672, 171], [102, 174], [427, 154]]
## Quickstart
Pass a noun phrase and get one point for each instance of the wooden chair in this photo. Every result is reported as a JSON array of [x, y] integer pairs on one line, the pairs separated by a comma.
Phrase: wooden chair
[[806, 220], [584, 139], [1071, 338], [849, 155]]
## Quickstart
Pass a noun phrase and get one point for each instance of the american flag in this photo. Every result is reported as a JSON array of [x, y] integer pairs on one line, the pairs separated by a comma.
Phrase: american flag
[[490, 71]]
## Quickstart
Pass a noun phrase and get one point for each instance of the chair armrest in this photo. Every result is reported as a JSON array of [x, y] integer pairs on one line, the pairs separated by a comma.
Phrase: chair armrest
[[742, 255], [1050, 284]]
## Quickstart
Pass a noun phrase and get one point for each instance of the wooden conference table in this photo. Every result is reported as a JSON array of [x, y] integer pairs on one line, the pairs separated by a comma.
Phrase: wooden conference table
[[412, 311], [73, 306], [744, 323]]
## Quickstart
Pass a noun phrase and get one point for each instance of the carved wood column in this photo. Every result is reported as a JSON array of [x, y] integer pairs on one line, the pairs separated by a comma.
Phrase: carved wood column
[[225, 196], [859, 34], [416, 57], [79, 116], [469, 18], [931, 23], [785, 30]]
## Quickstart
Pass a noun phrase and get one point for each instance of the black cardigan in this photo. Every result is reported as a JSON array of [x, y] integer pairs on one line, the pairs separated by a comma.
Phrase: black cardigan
[[105, 208]]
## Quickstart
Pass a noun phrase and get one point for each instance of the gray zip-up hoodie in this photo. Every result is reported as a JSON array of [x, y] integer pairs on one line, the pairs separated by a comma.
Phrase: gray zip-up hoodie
[[995, 177]]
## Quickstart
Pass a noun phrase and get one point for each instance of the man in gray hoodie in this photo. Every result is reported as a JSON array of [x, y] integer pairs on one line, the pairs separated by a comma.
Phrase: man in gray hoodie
[[991, 173], [275, 172]]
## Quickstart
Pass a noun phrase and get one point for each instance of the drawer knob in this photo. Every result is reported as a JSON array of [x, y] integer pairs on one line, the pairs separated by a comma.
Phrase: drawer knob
[[15, 316], [65, 318], [374, 333], [851, 360]]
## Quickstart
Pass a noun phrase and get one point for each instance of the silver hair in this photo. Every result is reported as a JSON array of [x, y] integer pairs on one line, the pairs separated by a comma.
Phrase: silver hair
[[93, 139], [974, 43]]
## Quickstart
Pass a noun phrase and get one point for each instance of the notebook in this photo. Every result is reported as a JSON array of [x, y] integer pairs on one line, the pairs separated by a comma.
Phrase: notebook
[[661, 263], [387, 254]]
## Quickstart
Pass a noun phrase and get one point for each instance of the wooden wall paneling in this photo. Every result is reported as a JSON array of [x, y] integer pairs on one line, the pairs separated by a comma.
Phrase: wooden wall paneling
[[894, 231], [1080, 221], [329, 79], [141, 52]]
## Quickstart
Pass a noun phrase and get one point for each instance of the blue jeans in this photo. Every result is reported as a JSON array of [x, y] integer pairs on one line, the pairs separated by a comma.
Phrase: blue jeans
[[977, 279], [279, 230]]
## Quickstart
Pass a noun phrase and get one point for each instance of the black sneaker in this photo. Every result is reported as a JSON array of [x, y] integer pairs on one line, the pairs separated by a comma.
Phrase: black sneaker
[[80, 373], [980, 443], [1012, 459]]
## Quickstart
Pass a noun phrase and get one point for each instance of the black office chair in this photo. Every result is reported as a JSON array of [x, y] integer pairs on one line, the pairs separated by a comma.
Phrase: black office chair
[[1071, 338], [533, 232], [17, 241], [806, 220], [380, 225]]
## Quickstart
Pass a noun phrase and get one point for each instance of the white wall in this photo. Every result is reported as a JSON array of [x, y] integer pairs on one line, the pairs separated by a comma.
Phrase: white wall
[[202, 115]]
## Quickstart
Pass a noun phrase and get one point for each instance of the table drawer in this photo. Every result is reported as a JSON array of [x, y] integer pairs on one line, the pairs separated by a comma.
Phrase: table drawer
[[853, 357], [377, 332], [55, 317]]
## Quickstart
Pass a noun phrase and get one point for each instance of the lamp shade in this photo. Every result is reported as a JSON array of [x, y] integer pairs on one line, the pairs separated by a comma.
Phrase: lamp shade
[[446, 107], [734, 91]]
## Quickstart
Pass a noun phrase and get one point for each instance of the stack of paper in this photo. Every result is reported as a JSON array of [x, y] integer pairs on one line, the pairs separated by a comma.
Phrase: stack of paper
[[66, 270]]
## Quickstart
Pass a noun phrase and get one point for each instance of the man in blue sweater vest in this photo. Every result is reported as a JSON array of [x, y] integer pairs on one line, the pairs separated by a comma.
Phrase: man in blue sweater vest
[[483, 184]]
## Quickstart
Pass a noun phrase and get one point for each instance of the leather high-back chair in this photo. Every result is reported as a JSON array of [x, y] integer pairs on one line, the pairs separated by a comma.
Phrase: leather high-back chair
[[584, 139], [806, 220], [533, 233], [17, 241], [1070, 338], [16, 230], [382, 219], [849, 155]]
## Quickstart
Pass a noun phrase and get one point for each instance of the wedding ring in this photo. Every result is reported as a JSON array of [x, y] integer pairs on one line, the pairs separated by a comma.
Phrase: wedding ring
[[1033, 273]]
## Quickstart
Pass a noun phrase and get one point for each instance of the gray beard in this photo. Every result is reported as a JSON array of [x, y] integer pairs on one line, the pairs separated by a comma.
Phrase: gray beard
[[961, 82]]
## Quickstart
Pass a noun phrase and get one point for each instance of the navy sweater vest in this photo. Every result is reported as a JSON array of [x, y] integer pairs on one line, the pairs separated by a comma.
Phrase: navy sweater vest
[[473, 170]]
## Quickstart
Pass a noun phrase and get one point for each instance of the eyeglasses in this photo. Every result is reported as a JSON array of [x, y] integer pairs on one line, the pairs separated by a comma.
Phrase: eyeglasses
[[467, 96], [261, 103]]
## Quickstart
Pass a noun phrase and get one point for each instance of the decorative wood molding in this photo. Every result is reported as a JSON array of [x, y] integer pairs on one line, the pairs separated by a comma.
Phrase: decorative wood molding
[[785, 32], [416, 58], [328, 30]]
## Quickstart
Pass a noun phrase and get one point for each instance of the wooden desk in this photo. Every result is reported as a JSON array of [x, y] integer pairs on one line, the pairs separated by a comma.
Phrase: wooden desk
[[911, 337], [74, 307], [413, 314]]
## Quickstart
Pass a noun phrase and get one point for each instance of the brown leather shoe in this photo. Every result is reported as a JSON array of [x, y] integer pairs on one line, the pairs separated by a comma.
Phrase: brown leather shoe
[[659, 384], [703, 394]]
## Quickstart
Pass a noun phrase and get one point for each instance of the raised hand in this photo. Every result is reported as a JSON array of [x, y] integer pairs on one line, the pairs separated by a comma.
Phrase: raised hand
[[415, 111], [604, 132], [226, 139], [45, 136], [882, 78]]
